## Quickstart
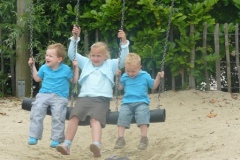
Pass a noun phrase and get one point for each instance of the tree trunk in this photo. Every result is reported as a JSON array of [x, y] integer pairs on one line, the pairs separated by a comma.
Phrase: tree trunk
[[23, 75], [173, 77], [227, 57], [86, 42], [153, 74], [13, 78], [2, 62], [173, 84], [204, 55], [237, 55], [216, 43], [192, 60], [183, 78], [96, 35]]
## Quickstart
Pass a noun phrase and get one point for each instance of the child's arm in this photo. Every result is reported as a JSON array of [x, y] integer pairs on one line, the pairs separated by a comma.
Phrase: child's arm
[[157, 79], [76, 72], [124, 47], [31, 63], [118, 75], [122, 36], [72, 49], [73, 42]]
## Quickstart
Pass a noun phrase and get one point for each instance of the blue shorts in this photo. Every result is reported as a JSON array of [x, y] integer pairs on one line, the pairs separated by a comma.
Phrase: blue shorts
[[139, 111]]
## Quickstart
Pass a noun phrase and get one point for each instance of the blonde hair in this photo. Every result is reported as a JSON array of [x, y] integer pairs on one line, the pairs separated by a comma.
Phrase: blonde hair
[[103, 47], [60, 49], [133, 59]]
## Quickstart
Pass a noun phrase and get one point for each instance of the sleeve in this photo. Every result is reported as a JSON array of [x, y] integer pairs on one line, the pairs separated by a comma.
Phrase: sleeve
[[69, 73], [123, 80], [71, 49], [150, 81], [40, 72], [124, 53]]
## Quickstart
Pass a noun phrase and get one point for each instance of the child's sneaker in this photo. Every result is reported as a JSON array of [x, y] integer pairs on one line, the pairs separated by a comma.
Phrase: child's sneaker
[[63, 149], [32, 141], [95, 150], [120, 143], [143, 143], [54, 144]]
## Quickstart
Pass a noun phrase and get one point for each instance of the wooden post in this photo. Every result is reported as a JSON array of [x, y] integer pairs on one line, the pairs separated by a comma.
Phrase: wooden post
[[96, 35], [183, 77], [216, 43], [22, 53], [86, 42], [173, 83], [227, 57], [237, 55], [192, 60], [205, 54], [1, 58], [173, 77]]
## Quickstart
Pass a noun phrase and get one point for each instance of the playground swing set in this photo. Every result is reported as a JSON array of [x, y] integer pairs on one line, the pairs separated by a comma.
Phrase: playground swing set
[[156, 115]]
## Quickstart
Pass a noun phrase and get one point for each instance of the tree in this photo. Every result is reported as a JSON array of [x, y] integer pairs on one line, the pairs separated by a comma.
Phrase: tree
[[145, 22], [9, 32]]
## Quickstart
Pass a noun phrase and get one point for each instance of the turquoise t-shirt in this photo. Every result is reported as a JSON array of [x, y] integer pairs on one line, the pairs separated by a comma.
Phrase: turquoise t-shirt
[[55, 81], [136, 89]]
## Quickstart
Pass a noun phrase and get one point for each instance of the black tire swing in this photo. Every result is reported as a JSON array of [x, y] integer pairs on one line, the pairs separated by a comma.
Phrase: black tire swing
[[156, 115]]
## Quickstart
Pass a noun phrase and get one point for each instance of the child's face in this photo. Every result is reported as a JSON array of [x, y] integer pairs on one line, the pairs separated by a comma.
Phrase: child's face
[[132, 69], [97, 57], [52, 60]]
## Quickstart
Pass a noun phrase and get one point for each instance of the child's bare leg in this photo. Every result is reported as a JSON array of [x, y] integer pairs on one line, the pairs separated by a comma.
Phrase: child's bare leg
[[96, 137], [144, 139], [121, 131], [120, 143], [143, 129], [72, 128], [96, 130]]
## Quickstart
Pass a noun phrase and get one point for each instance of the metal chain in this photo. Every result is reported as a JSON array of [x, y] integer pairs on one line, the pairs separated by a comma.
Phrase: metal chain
[[119, 55], [165, 49], [77, 14], [74, 54], [75, 43], [123, 12], [31, 44]]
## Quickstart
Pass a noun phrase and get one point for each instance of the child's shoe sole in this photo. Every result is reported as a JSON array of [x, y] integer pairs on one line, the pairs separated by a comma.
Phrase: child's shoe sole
[[95, 150], [63, 150]]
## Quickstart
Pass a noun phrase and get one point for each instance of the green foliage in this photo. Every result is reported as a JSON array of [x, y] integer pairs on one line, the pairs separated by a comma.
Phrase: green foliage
[[50, 25], [3, 80], [104, 16], [9, 32], [189, 13], [237, 3], [145, 23], [149, 41], [14, 32], [226, 11], [7, 11]]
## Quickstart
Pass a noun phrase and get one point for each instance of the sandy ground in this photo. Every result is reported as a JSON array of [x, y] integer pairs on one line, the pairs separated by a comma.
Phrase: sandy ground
[[199, 126]]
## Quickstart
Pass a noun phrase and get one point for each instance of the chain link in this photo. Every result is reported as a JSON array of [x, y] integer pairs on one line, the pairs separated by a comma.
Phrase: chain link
[[165, 49], [74, 54], [119, 55], [123, 12], [77, 14], [31, 44]]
